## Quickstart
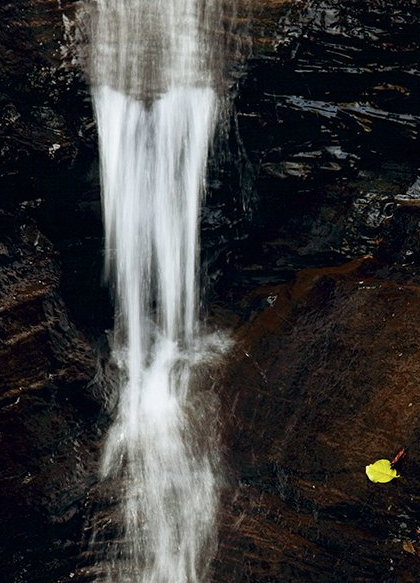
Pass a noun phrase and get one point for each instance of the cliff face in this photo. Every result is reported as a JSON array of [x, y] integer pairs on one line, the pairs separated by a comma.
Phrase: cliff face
[[48, 416], [328, 118], [323, 377], [48, 158], [311, 232]]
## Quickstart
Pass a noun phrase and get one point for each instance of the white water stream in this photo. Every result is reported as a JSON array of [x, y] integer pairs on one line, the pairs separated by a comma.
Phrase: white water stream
[[152, 75]]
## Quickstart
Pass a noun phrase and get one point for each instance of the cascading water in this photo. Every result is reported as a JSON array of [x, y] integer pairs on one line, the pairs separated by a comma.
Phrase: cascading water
[[152, 69]]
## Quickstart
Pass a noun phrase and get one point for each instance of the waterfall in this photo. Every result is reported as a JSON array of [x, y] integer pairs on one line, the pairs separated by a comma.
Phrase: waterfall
[[153, 67]]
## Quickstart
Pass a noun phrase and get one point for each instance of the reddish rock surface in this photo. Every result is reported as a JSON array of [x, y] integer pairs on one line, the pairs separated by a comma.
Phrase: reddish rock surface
[[323, 381]]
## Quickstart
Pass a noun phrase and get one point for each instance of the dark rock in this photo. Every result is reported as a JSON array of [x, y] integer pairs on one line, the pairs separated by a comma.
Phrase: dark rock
[[47, 431], [327, 107], [48, 159]]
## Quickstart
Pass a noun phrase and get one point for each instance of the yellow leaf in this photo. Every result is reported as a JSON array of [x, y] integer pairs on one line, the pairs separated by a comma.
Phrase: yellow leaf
[[381, 471]]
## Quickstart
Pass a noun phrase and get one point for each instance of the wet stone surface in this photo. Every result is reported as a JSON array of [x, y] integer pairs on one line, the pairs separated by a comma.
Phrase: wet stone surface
[[328, 118], [311, 233], [322, 382], [49, 419]]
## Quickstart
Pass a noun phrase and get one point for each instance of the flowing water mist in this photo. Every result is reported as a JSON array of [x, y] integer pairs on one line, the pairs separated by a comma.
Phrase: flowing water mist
[[153, 70]]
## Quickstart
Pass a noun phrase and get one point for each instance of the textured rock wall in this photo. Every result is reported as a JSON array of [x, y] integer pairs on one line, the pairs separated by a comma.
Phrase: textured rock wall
[[324, 376], [328, 117], [48, 417], [321, 170]]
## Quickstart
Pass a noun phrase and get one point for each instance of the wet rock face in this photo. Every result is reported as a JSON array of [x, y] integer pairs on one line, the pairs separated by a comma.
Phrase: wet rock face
[[328, 118], [321, 167], [45, 124], [323, 381], [50, 239], [48, 156], [48, 418]]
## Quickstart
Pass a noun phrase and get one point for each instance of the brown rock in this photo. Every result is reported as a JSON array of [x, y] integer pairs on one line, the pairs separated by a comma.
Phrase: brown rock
[[323, 381]]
